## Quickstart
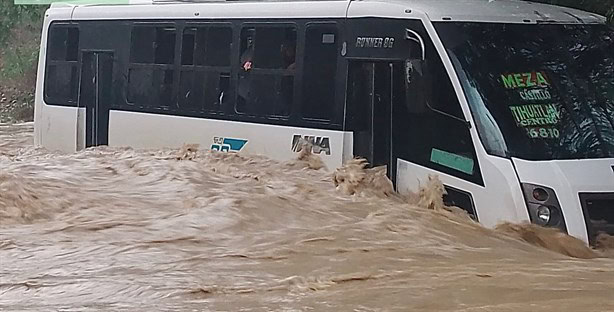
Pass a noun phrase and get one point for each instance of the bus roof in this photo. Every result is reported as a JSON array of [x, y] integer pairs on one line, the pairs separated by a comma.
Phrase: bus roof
[[514, 11], [503, 10]]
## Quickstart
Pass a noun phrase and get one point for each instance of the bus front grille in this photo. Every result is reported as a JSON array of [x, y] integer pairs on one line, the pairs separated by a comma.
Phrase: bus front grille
[[598, 211]]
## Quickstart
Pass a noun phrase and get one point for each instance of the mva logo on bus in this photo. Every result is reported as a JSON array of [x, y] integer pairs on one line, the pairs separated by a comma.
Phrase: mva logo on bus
[[316, 144]]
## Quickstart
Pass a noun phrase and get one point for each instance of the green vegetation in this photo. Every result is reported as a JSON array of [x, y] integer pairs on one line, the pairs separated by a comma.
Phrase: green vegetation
[[16, 14], [19, 38], [20, 27], [17, 61], [603, 7]]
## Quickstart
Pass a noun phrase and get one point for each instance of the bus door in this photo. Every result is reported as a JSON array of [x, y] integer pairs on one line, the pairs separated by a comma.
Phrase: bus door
[[95, 95], [375, 88]]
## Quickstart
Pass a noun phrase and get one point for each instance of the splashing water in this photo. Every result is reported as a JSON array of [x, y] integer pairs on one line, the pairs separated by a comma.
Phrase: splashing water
[[177, 230]]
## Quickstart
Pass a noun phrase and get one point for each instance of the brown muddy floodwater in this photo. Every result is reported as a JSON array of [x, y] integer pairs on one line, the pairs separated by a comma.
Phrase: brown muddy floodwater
[[117, 229]]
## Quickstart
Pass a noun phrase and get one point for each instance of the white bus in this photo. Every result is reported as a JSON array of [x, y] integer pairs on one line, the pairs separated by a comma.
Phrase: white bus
[[510, 103]]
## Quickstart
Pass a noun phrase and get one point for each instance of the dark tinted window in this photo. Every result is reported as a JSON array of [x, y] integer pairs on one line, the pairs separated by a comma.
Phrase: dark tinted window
[[151, 72], [61, 72], [432, 130], [537, 92], [61, 84], [273, 47], [203, 90], [150, 87], [205, 71], [208, 46], [63, 43], [358, 97], [153, 45], [320, 66], [266, 78]]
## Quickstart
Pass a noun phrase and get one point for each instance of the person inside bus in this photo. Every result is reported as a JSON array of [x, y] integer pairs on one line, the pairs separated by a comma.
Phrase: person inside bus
[[288, 58], [247, 57], [288, 54]]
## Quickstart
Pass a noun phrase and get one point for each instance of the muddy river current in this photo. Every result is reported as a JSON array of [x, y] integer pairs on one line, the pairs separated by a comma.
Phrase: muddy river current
[[119, 229]]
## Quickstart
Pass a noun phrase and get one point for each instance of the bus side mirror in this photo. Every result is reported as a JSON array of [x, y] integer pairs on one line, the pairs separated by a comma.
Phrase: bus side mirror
[[417, 47], [417, 86]]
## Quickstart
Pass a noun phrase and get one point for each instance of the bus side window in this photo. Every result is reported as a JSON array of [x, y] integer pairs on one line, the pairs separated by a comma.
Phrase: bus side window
[[205, 68], [267, 69], [61, 72], [151, 70], [436, 139], [320, 67]]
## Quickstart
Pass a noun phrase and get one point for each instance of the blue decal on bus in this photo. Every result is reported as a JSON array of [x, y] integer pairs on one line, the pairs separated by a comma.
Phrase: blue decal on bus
[[227, 144]]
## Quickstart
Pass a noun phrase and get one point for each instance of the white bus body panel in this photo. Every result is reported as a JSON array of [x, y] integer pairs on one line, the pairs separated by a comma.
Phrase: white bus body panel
[[57, 126], [568, 178], [143, 130]]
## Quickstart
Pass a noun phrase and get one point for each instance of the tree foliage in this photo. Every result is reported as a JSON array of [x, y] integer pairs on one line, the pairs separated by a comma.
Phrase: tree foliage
[[12, 15], [603, 7]]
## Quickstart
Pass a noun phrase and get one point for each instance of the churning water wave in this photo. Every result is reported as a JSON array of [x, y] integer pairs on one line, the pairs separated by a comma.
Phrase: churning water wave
[[119, 229]]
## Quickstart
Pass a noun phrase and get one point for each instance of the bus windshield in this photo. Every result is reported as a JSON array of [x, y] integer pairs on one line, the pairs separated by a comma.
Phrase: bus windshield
[[537, 92]]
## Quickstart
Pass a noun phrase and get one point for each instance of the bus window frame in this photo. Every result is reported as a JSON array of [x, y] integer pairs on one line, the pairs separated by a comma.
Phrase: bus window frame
[[164, 67], [338, 92], [296, 73], [123, 47], [74, 64], [223, 108]]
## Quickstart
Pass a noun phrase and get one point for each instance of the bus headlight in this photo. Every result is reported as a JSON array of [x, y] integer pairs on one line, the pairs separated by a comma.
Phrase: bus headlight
[[543, 215], [544, 207], [540, 194]]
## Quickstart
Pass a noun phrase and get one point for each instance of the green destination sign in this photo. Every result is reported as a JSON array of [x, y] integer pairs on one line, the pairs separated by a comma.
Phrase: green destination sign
[[453, 161]]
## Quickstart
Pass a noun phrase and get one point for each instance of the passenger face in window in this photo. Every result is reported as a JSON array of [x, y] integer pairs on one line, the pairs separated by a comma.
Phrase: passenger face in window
[[247, 55], [288, 54]]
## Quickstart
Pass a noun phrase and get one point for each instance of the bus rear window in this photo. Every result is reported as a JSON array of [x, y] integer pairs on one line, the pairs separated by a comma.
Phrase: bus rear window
[[61, 71]]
